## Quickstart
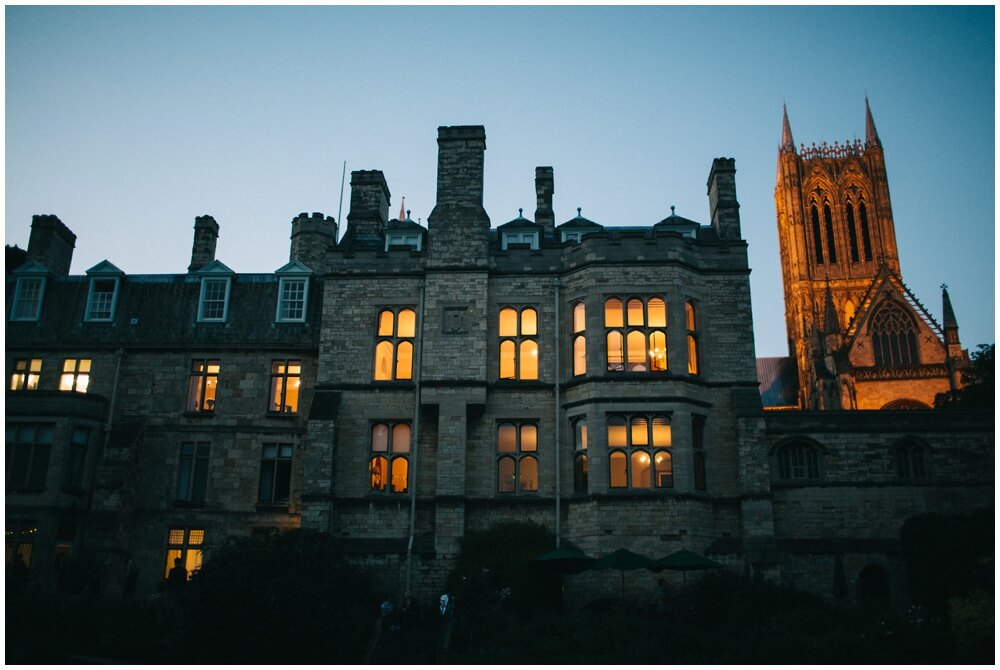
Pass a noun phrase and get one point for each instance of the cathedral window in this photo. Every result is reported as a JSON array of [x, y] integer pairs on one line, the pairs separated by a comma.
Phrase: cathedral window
[[865, 234], [389, 460], [185, 545], [698, 449], [285, 380], [852, 232], [636, 334], [579, 340], [831, 244], [103, 299], [798, 460], [25, 375], [580, 459], [692, 337], [518, 331], [911, 461], [275, 473], [517, 457], [817, 235], [394, 345], [639, 454], [202, 385], [213, 304], [894, 338], [75, 375], [28, 294], [28, 448], [192, 472]]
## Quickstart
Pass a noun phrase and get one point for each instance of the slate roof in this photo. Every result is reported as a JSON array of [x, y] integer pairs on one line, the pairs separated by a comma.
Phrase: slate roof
[[779, 381]]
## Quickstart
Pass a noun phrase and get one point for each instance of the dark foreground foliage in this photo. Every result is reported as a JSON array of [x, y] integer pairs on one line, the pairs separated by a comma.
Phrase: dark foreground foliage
[[978, 384]]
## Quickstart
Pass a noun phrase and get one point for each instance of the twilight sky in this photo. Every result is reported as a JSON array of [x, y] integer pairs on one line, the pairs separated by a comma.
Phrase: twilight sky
[[129, 122]]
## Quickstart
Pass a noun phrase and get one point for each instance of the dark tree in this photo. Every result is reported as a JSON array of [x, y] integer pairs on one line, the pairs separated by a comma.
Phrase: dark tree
[[977, 390]]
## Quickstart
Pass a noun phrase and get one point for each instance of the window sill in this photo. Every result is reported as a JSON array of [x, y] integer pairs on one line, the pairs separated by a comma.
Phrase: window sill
[[188, 504], [283, 415], [274, 508], [199, 415]]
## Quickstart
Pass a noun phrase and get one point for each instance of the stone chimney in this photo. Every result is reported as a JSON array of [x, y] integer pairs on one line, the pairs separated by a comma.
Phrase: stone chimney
[[51, 243], [725, 210], [369, 204], [460, 166], [544, 188], [206, 232], [311, 237]]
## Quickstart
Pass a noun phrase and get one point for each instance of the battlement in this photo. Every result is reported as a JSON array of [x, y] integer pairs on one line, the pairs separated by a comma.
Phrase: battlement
[[849, 149], [315, 217]]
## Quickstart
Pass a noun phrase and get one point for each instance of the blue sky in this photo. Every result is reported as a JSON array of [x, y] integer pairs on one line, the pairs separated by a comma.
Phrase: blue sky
[[129, 122]]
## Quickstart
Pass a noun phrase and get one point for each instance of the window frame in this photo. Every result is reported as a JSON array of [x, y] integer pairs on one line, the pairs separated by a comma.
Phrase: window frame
[[693, 338], [189, 467], [112, 306], [200, 406], [581, 457], [518, 455], [78, 376], [519, 340], [17, 311], [515, 238], [205, 281], [394, 341], [412, 241], [284, 301], [891, 330], [36, 455], [282, 379], [391, 455], [187, 545], [798, 461], [280, 473], [25, 378], [578, 328], [626, 330], [631, 449], [904, 453]]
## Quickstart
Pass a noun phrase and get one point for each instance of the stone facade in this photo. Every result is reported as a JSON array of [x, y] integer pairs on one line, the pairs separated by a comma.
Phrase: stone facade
[[445, 377]]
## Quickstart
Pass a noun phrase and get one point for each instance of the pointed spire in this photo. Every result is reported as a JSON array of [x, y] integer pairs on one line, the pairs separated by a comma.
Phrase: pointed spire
[[787, 143], [949, 314], [871, 135], [831, 323], [402, 209]]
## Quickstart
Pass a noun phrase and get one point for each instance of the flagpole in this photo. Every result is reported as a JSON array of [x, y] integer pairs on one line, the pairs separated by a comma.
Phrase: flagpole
[[340, 207]]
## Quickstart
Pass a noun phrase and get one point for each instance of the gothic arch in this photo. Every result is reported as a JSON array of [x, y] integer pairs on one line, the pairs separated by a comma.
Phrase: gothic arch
[[905, 403], [893, 333], [798, 458]]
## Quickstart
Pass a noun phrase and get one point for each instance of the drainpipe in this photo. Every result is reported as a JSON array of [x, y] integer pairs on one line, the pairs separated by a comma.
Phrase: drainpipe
[[416, 440], [558, 419]]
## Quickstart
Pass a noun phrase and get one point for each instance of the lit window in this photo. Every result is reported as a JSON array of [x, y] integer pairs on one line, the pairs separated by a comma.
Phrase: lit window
[[698, 446], [580, 460], [517, 239], [25, 375], [292, 295], [911, 461], [77, 458], [389, 460], [20, 541], [517, 457], [75, 375], [202, 385], [103, 299], [639, 452], [692, 337], [798, 460], [27, 299], [394, 344], [214, 302], [285, 380], [185, 544], [275, 473], [410, 240], [28, 448], [579, 340], [192, 471], [635, 333], [894, 337], [518, 346]]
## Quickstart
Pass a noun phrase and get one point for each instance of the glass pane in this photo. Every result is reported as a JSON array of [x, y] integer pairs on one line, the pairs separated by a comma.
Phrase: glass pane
[[579, 318], [66, 382], [692, 355], [529, 360], [657, 313], [407, 323], [267, 481], [277, 385], [282, 480], [636, 346], [401, 438], [210, 384], [505, 475], [285, 451], [529, 474], [404, 360], [507, 437], [200, 481], [400, 471], [184, 479], [699, 471], [579, 356], [385, 323], [82, 382], [529, 322], [508, 322], [84, 365], [617, 470], [507, 350], [641, 471], [213, 367], [294, 368], [171, 555], [661, 431], [383, 360], [581, 435], [640, 431], [613, 317], [176, 536], [635, 316], [689, 315], [69, 365], [658, 351], [664, 470], [617, 435], [193, 561], [529, 437], [379, 467], [380, 437], [270, 451], [580, 474], [292, 396], [616, 351], [44, 435]]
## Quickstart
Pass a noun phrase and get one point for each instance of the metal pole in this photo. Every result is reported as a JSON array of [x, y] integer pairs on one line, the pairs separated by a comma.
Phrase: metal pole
[[416, 440], [558, 421], [340, 207]]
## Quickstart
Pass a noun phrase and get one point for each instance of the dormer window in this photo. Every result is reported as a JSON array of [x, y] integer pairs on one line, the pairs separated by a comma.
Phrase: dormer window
[[103, 299], [411, 240], [214, 302], [293, 292], [28, 299], [528, 238], [574, 236]]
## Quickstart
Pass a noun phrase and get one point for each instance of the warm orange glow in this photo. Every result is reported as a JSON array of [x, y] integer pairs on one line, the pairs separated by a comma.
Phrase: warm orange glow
[[507, 437], [616, 351], [529, 437], [636, 346], [658, 351], [507, 355], [508, 322], [579, 355], [505, 475], [404, 360], [661, 431], [400, 471], [641, 474], [529, 322], [613, 317], [635, 312], [640, 431], [579, 318], [617, 469], [657, 313], [385, 323], [689, 315], [407, 323], [529, 360], [529, 474], [692, 355], [383, 360], [617, 434]]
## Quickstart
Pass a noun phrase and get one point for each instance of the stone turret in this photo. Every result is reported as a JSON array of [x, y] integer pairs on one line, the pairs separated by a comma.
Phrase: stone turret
[[51, 243], [311, 237], [206, 234], [724, 208]]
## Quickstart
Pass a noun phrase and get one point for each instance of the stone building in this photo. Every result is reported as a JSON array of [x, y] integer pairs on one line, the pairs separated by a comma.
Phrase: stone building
[[397, 386]]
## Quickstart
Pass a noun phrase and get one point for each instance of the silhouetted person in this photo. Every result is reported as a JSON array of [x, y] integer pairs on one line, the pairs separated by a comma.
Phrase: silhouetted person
[[177, 579]]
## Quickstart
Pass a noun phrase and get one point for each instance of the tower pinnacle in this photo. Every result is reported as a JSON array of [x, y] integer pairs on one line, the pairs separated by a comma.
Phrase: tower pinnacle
[[871, 135], [787, 143]]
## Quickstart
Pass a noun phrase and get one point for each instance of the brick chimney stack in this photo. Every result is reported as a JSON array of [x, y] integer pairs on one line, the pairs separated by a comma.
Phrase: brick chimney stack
[[51, 243], [544, 188], [206, 233], [369, 204], [725, 209]]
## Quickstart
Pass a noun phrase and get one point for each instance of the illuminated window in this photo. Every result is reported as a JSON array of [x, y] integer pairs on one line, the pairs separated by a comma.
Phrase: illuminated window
[[636, 335], [214, 302], [76, 460], [20, 541], [75, 375], [580, 459], [28, 447], [799, 460], [911, 461], [518, 331], [698, 447], [275, 473], [103, 299], [395, 329], [692, 337], [185, 544], [25, 375], [517, 457], [285, 380], [292, 295], [28, 294], [192, 471], [894, 337], [389, 460], [579, 339], [202, 385], [639, 455]]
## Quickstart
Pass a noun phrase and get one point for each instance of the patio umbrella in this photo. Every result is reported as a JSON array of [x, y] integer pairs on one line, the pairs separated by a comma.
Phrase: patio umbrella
[[685, 560], [564, 560], [622, 560]]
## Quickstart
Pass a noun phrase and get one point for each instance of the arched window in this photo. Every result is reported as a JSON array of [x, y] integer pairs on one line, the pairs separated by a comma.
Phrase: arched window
[[830, 241], [911, 460], [817, 235], [639, 452], [798, 459], [580, 459], [865, 234], [517, 457], [894, 337], [388, 461], [396, 329], [641, 345], [579, 340], [692, 337], [698, 447], [518, 346], [852, 232]]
